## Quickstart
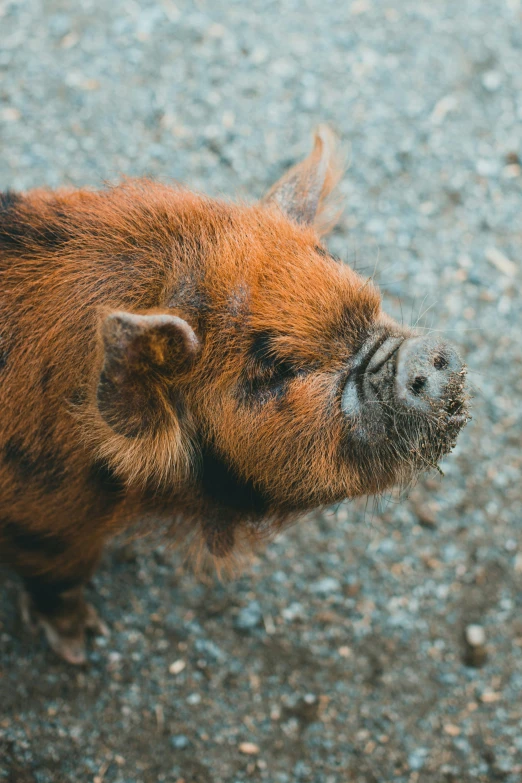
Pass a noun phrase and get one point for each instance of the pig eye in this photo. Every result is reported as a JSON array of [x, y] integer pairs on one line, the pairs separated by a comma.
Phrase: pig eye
[[279, 372], [260, 354], [263, 363], [266, 375], [271, 381]]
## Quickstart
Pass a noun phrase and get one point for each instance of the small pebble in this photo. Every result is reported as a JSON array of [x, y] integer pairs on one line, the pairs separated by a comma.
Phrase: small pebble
[[475, 635], [294, 611], [210, 649], [489, 697], [492, 80], [249, 617], [249, 748], [177, 667], [502, 262], [475, 653], [451, 729], [417, 759], [326, 586], [179, 741]]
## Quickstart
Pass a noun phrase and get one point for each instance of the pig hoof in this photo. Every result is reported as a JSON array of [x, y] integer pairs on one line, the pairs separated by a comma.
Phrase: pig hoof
[[69, 648], [65, 635]]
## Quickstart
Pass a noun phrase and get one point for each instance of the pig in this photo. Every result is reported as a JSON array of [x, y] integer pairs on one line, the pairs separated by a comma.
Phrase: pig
[[205, 367]]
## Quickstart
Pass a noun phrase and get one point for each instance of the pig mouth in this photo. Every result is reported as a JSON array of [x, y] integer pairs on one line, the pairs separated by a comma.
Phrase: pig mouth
[[405, 402]]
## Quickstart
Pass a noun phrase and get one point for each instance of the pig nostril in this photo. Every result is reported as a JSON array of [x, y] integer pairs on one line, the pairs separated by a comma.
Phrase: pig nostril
[[440, 362], [418, 384]]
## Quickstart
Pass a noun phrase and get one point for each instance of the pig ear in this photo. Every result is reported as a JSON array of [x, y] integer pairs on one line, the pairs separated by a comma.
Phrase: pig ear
[[304, 193], [142, 357]]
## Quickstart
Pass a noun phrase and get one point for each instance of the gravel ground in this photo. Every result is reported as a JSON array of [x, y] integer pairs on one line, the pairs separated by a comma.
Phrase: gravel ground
[[342, 655]]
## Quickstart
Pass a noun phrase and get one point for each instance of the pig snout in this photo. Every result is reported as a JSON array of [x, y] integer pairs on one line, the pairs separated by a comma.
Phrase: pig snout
[[426, 374], [398, 380]]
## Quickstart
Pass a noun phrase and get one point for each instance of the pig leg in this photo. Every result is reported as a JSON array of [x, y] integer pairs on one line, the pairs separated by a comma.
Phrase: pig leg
[[59, 609]]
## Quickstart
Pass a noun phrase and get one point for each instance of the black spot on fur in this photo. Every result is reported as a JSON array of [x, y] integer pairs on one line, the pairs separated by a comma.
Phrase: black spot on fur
[[4, 352], [25, 229], [222, 486], [189, 297], [9, 229], [27, 540], [352, 327], [238, 304], [46, 378], [48, 594], [44, 466], [8, 200], [51, 237], [106, 483], [78, 397]]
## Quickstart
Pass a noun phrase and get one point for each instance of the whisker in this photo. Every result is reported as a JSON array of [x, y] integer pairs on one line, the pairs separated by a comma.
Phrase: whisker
[[421, 315], [456, 331], [402, 314]]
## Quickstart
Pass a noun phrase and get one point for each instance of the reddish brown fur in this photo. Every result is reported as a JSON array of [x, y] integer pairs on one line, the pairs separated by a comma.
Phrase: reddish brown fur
[[69, 480]]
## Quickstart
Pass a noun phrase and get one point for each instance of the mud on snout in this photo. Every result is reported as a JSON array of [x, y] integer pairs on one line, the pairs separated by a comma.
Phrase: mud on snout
[[406, 400]]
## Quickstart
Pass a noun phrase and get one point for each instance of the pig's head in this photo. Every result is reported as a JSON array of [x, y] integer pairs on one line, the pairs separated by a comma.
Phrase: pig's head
[[268, 378]]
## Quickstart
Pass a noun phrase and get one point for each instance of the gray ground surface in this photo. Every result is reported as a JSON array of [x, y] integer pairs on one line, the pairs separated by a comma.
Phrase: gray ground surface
[[341, 655]]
